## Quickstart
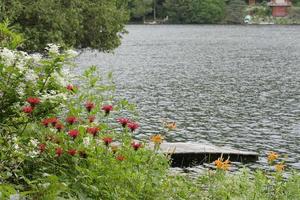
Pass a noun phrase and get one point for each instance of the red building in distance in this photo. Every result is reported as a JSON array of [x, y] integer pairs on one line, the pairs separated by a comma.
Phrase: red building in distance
[[279, 7]]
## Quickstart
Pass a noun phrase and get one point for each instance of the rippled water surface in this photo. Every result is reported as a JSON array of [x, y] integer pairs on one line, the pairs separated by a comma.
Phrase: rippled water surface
[[235, 86]]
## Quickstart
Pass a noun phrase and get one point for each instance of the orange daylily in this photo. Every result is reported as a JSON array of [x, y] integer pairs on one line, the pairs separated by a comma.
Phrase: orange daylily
[[157, 139], [272, 156], [220, 164]]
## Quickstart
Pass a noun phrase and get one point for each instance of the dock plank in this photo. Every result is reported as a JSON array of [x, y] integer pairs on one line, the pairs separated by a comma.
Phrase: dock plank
[[189, 154]]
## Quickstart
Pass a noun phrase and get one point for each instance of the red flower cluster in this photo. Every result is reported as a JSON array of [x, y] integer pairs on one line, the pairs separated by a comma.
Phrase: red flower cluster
[[59, 151], [133, 126], [73, 133], [42, 147], [107, 109], [27, 109], [33, 101], [123, 121], [136, 145], [89, 106], [72, 152], [107, 140], [71, 120], [93, 130], [47, 121]]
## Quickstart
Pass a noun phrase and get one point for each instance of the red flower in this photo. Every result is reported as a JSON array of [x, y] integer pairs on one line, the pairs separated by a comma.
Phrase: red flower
[[73, 133], [133, 126], [71, 120], [59, 151], [123, 121], [136, 145], [53, 121], [59, 127], [42, 147], [70, 87], [107, 140], [72, 152], [91, 118], [27, 109], [120, 158], [93, 130], [107, 109], [48, 121], [33, 101], [45, 122], [89, 106]]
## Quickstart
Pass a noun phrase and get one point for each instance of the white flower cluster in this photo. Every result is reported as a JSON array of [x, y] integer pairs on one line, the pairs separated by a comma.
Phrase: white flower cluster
[[18, 59], [31, 76], [8, 57], [34, 146], [53, 48], [53, 97], [86, 141]]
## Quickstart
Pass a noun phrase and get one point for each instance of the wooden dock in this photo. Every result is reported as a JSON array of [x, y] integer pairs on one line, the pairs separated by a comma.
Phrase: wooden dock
[[189, 154]]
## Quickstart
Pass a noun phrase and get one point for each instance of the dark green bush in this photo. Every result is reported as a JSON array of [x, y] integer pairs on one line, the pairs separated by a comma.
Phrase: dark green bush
[[93, 23]]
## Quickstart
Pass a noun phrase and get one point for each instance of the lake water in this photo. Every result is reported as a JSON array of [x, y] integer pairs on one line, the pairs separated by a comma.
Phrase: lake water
[[236, 86]]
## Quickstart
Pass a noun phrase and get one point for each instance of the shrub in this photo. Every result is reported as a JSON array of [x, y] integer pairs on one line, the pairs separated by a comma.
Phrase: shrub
[[57, 138]]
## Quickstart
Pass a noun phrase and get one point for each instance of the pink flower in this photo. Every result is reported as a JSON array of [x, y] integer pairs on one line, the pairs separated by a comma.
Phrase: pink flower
[[42, 147], [107, 109], [107, 140], [59, 151], [72, 152], [89, 106], [27, 109], [33, 101], [71, 120], [93, 130], [136, 145], [91, 118], [133, 126], [73, 133], [123, 121]]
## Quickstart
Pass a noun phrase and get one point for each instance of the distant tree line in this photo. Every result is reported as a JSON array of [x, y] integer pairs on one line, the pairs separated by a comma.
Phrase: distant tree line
[[188, 11]]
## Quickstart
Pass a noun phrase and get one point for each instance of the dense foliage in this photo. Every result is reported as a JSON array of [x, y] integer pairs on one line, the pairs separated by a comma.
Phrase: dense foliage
[[93, 23], [235, 11], [185, 11], [140, 8], [208, 11]]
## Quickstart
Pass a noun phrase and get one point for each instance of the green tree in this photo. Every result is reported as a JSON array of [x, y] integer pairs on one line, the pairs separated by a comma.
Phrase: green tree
[[208, 11], [235, 11], [140, 8], [91, 23], [179, 11]]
